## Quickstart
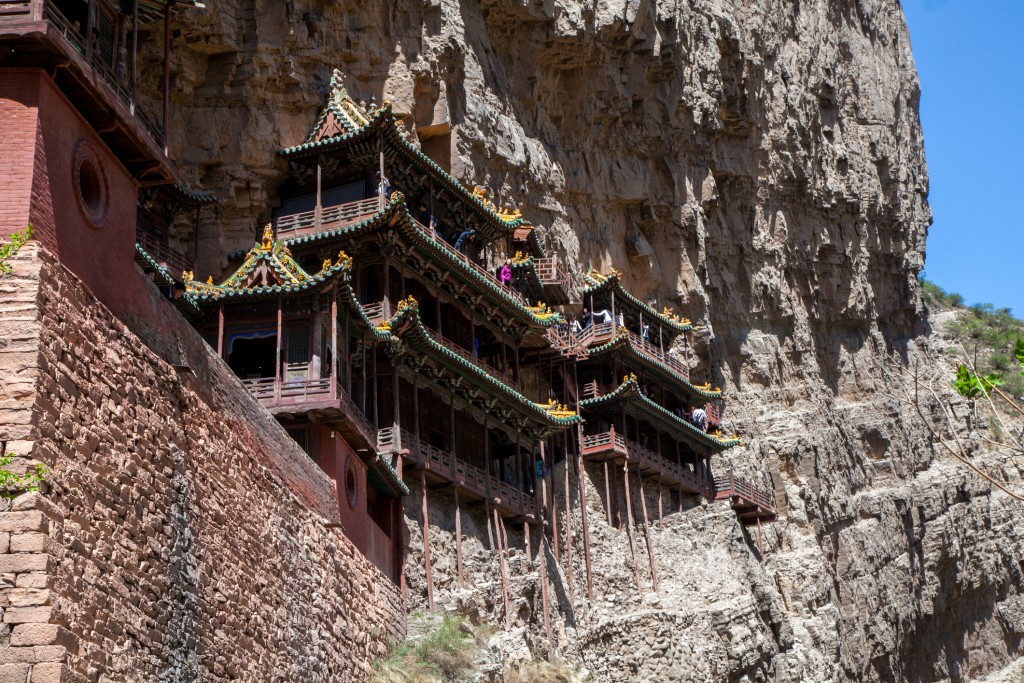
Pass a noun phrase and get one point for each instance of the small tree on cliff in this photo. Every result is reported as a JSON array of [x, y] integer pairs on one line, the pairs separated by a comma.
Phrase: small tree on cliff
[[927, 392]]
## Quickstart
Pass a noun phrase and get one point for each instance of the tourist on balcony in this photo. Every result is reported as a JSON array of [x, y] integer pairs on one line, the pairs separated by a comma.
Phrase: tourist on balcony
[[505, 274], [699, 418], [645, 332], [383, 186], [460, 240]]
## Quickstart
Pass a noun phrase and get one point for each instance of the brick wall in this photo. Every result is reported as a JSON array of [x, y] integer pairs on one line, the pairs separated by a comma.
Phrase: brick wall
[[18, 104], [184, 536]]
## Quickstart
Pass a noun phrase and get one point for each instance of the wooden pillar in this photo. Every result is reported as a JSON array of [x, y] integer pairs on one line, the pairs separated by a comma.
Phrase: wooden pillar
[[760, 548], [426, 537], [501, 564], [583, 512], [615, 321], [396, 414], [90, 24], [607, 487], [518, 377], [660, 509], [416, 414], [348, 360], [277, 355], [458, 539], [334, 341], [554, 501], [381, 199], [437, 309], [135, 52], [488, 499], [220, 331], [319, 190], [526, 541], [167, 75], [376, 396], [629, 524], [647, 536], [363, 388], [568, 514], [544, 586], [117, 43]]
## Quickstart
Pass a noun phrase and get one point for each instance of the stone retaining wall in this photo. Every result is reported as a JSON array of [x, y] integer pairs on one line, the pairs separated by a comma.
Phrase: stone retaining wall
[[184, 535]]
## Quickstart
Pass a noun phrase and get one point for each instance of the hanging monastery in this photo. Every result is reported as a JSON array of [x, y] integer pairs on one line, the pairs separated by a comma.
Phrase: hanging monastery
[[371, 318]]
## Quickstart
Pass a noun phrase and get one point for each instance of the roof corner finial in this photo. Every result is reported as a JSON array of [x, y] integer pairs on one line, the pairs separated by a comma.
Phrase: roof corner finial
[[338, 91], [268, 237]]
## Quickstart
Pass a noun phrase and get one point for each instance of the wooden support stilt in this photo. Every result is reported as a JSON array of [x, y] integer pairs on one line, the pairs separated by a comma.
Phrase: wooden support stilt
[[629, 525], [647, 536], [660, 513], [544, 588], [608, 491], [586, 525], [426, 538], [760, 548], [526, 541], [167, 74], [554, 504], [567, 465], [458, 539], [501, 564]]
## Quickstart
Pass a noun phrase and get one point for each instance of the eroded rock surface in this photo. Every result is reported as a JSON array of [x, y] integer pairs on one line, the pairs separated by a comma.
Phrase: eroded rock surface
[[758, 164]]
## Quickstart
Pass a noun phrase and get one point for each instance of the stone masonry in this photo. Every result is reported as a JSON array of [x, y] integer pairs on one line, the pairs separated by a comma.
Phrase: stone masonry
[[180, 537]]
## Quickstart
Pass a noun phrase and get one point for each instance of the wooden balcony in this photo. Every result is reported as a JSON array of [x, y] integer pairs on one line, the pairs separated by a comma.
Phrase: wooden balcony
[[509, 498], [37, 34], [752, 505], [326, 219], [556, 282], [613, 446], [318, 397], [602, 333]]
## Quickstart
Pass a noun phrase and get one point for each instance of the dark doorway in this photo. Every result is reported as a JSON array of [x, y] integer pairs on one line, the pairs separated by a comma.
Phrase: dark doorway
[[253, 357]]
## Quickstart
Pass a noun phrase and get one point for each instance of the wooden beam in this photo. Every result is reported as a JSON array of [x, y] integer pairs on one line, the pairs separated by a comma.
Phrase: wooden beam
[[426, 537], [458, 540], [647, 536], [583, 511], [501, 564]]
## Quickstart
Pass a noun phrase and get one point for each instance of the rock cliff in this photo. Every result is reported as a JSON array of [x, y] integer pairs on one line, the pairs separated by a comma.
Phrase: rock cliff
[[757, 164]]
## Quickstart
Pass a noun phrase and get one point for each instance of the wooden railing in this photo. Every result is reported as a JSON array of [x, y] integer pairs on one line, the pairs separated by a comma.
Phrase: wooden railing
[[731, 485], [605, 441], [378, 312], [480, 270], [596, 334], [445, 464], [551, 275], [652, 351], [329, 218], [75, 41], [646, 456], [714, 410], [273, 392], [464, 353], [175, 261]]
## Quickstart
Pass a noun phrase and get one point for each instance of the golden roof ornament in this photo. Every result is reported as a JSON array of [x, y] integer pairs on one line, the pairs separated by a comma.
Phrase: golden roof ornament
[[268, 238], [407, 302], [187, 276], [209, 280], [326, 265], [344, 259], [338, 92]]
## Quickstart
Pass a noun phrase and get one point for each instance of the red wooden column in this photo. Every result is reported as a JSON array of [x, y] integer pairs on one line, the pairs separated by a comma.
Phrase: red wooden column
[[334, 342], [277, 361], [629, 524], [544, 586], [426, 537], [760, 548], [608, 487], [526, 541], [554, 503], [647, 536]]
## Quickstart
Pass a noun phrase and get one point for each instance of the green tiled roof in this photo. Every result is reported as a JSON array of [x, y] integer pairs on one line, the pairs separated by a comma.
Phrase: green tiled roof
[[353, 125], [629, 392], [406, 325], [623, 343], [598, 283], [396, 214]]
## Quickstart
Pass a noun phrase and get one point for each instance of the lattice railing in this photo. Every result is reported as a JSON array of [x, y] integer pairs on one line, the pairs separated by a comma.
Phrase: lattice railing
[[731, 485], [328, 218], [175, 261]]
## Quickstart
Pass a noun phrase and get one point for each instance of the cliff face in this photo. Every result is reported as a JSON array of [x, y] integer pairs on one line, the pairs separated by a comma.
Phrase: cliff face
[[758, 165]]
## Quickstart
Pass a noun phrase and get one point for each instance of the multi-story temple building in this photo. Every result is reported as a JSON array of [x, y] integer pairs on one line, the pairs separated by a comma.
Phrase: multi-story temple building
[[401, 327]]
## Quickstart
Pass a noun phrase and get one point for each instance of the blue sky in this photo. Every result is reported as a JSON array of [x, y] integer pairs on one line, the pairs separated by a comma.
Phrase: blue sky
[[970, 58]]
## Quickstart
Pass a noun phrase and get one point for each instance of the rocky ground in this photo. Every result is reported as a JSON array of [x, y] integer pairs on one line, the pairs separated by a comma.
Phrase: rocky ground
[[757, 164]]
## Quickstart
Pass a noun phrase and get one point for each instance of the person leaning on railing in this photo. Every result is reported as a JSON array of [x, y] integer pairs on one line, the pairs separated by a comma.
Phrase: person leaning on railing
[[699, 418]]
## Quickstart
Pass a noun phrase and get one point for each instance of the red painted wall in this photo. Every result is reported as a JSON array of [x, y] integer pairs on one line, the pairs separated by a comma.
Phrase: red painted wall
[[372, 540], [19, 102]]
